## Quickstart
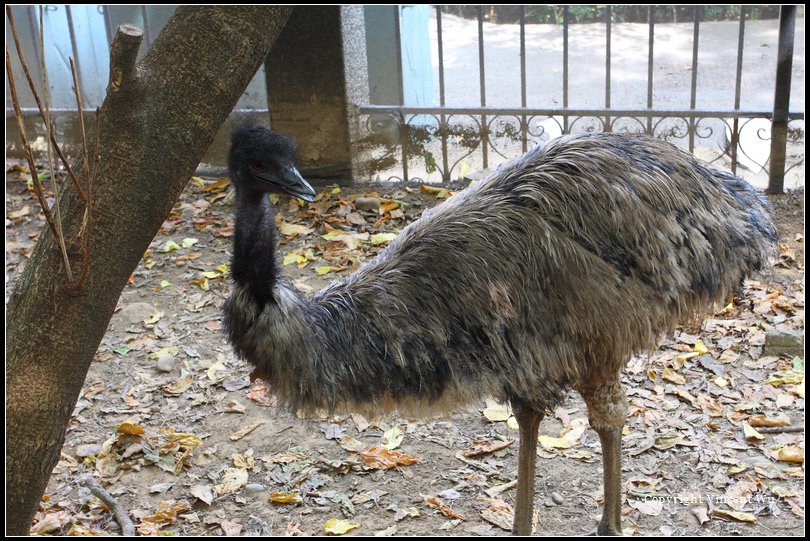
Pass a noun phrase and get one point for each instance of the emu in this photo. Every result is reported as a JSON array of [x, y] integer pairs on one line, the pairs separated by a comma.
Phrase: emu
[[546, 276]]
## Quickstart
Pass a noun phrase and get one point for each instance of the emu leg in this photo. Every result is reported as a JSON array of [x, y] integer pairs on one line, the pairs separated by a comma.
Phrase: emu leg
[[528, 422], [607, 411]]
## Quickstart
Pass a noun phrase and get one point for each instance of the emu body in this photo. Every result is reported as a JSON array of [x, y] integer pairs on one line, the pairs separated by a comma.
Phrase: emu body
[[546, 276]]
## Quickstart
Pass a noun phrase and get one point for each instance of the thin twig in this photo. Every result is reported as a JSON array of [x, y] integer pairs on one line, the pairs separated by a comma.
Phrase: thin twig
[[29, 154], [87, 225], [780, 429], [74, 179], [56, 209], [127, 527], [78, 93]]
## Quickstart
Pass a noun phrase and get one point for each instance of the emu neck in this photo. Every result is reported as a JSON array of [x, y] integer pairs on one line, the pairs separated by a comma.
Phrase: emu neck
[[254, 263]]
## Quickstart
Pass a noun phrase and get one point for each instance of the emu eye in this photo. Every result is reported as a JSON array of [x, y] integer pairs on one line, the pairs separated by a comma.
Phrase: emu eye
[[257, 168]]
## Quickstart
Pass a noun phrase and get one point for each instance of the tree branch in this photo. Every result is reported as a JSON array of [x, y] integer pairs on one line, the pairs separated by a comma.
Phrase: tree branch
[[123, 54]]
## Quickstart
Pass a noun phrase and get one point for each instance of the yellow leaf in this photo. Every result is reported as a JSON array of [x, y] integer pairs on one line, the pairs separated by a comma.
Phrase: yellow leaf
[[225, 268], [179, 386], [339, 526], [211, 275], [185, 439], [700, 349], [439, 192], [275, 198], [394, 437], [232, 480], [168, 246], [188, 242], [202, 283], [294, 230], [290, 258], [751, 433], [130, 428], [786, 377], [149, 264], [495, 412], [382, 238], [566, 440], [197, 181], [217, 186], [218, 366], [323, 270], [172, 350], [285, 497], [335, 191], [671, 376], [164, 284], [791, 454]]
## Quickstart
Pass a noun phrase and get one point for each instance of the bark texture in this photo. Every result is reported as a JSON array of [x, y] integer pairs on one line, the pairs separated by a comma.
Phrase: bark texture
[[158, 119]]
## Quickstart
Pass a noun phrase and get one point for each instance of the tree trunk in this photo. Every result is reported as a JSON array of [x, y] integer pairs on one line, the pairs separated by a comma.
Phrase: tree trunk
[[155, 124]]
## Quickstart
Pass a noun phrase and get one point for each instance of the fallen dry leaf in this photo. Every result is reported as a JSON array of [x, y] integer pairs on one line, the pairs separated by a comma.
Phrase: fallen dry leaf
[[233, 479], [791, 454], [285, 498], [242, 432], [443, 508], [734, 515], [339, 526], [486, 445], [378, 458]]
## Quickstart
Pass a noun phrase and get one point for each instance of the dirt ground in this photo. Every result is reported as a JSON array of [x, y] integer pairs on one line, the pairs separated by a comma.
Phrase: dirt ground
[[164, 420]]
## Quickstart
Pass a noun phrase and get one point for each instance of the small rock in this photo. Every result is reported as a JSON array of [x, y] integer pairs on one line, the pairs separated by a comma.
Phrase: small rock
[[166, 363], [783, 342], [254, 487], [367, 203], [557, 498], [136, 312], [88, 449]]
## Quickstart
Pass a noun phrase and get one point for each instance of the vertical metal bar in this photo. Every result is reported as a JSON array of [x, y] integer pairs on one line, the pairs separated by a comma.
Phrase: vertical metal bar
[[443, 126], [105, 12], [650, 60], [607, 66], [565, 67], [735, 130], [75, 49], [693, 91], [781, 99], [147, 34], [404, 136], [482, 83], [34, 29], [524, 132]]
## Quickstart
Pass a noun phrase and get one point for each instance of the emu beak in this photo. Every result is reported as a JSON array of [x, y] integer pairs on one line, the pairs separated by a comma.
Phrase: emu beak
[[294, 184]]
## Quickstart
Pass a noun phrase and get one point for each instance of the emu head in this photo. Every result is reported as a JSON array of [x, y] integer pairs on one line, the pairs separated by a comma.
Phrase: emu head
[[264, 161]]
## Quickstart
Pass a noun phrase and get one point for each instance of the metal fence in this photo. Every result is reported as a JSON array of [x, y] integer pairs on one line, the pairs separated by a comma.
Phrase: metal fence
[[448, 140]]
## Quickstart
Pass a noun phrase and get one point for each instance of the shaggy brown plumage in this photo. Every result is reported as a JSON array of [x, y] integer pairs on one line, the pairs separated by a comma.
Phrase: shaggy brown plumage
[[547, 275]]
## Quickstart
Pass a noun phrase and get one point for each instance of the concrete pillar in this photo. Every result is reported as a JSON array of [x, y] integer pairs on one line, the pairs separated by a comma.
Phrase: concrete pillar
[[307, 91]]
